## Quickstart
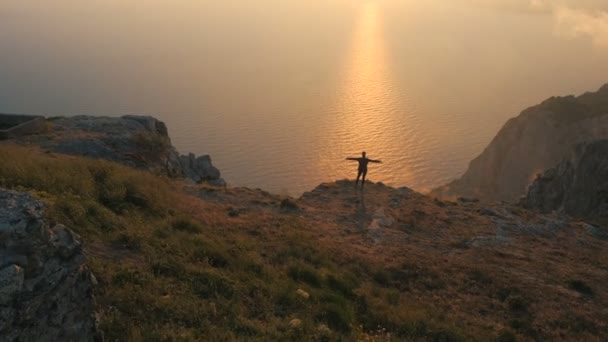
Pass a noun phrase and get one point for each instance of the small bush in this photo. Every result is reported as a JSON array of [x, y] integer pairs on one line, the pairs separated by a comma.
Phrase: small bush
[[130, 241], [393, 296], [334, 298], [210, 285], [211, 255], [168, 268], [523, 325], [517, 304], [288, 204], [336, 317], [161, 233], [305, 273], [341, 285], [504, 293], [506, 336], [288, 301], [382, 277], [129, 277], [184, 224], [479, 277], [580, 287]]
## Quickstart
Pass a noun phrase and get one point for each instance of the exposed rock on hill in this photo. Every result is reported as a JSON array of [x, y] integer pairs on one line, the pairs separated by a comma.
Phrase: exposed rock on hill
[[45, 287], [200, 169], [578, 186], [137, 141], [538, 139]]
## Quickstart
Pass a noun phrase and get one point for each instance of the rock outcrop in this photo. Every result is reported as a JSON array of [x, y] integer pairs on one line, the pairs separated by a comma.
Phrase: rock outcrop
[[136, 141], [200, 169], [578, 186], [45, 286], [538, 139]]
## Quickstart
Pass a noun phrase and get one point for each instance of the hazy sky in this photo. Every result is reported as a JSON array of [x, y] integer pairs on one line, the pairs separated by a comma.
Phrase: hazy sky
[[571, 18], [253, 82]]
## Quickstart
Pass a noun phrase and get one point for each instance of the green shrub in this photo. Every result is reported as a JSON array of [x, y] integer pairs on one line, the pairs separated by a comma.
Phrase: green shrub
[[129, 277], [382, 277], [336, 317], [168, 268], [393, 296], [301, 272], [341, 284], [185, 224], [212, 255], [130, 240], [287, 302], [506, 336], [211, 285], [517, 304]]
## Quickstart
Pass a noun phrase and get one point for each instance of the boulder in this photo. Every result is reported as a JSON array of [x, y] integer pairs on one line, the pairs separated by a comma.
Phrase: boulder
[[200, 169], [46, 289]]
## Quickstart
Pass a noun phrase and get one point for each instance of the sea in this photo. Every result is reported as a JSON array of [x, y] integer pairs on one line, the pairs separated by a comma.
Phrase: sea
[[280, 92]]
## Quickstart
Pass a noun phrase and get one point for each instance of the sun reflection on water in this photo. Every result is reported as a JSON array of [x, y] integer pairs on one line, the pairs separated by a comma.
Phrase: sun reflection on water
[[365, 115]]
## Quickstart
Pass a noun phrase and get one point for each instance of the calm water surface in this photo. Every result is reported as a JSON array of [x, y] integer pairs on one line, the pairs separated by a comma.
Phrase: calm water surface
[[280, 92]]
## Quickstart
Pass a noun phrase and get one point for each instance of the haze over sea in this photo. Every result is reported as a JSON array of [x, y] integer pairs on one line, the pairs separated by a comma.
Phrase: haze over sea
[[280, 92]]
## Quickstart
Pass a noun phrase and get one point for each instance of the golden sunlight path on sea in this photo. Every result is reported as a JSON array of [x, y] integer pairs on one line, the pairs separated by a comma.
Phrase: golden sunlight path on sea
[[365, 117]]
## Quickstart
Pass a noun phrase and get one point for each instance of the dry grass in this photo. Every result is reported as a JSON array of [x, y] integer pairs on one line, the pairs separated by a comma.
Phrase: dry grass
[[174, 262]]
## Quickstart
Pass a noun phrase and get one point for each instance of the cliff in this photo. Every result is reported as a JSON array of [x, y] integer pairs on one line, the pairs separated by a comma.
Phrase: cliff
[[135, 141], [578, 186], [538, 139]]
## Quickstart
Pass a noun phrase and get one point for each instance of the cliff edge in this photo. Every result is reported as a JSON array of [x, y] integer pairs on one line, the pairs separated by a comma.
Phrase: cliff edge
[[578, 186], [538, 139], [136, 141]]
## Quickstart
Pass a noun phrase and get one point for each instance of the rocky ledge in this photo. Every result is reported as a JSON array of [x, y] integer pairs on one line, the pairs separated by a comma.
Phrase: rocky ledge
[[137, 141], [578, 186], [46, 290]]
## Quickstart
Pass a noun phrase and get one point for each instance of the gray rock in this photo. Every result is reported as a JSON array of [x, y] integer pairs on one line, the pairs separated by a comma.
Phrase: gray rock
[[578, 186], [11, 282], [597, 232], [65, 242], [46, 289], [199, 169], [135, 141], [150, 123]]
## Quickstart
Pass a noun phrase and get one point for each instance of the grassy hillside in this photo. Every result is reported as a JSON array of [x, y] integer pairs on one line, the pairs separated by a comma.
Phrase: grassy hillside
[[176, 261]]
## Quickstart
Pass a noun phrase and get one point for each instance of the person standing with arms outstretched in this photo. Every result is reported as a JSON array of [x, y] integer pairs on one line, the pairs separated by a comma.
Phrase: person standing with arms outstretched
[[363, 161]]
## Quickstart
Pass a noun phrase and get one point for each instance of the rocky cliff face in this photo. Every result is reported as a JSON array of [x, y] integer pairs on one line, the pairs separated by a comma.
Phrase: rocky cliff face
[[137, 141], [577, 186], [45, 286], [538, 139]]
